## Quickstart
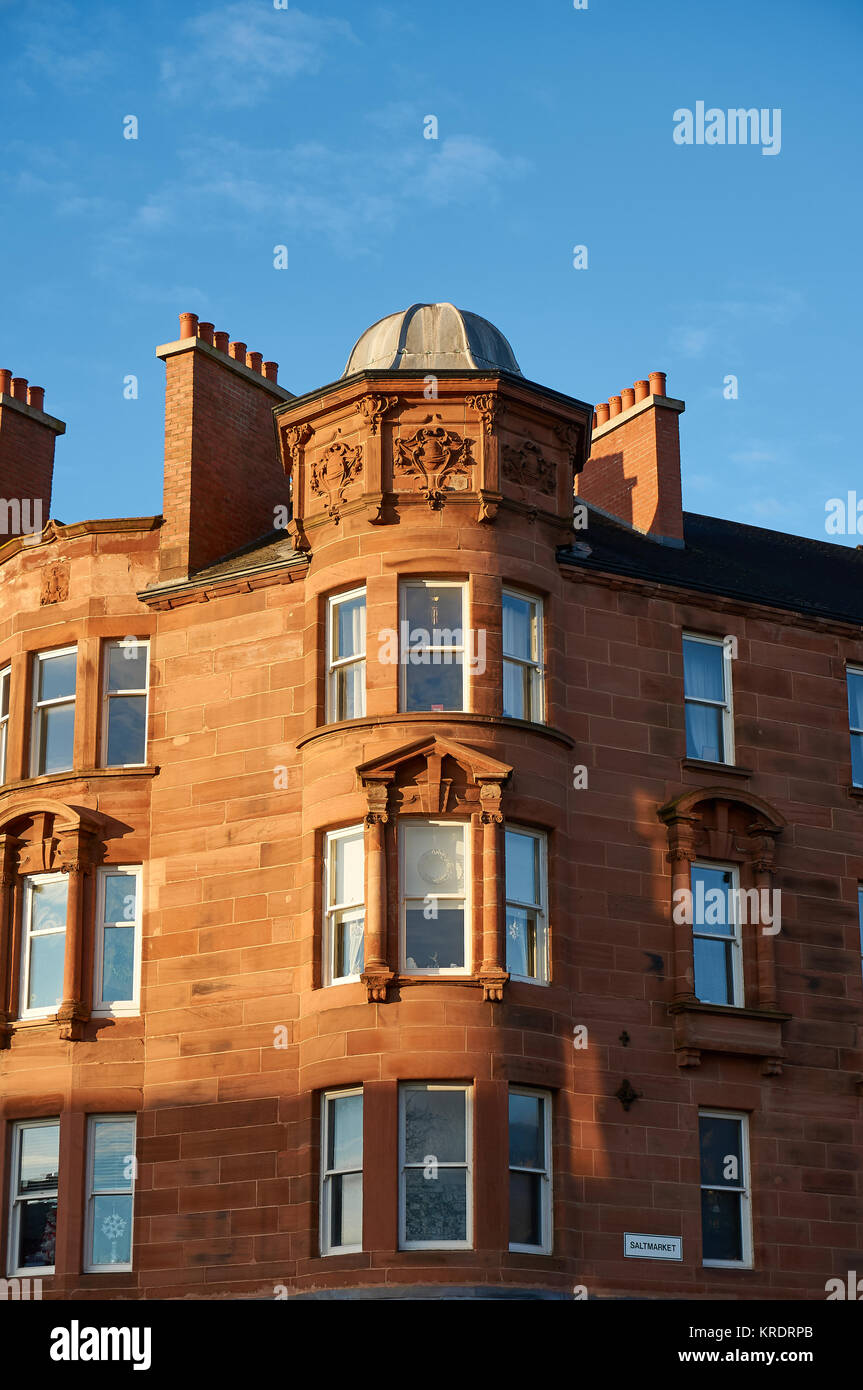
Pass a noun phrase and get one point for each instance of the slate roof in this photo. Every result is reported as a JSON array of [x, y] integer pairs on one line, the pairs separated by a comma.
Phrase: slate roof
[[816, 578]]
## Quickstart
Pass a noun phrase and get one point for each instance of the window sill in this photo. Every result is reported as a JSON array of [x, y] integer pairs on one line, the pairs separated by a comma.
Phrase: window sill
[[426, 717], [50, 779], [702, 765], [745, 1032]]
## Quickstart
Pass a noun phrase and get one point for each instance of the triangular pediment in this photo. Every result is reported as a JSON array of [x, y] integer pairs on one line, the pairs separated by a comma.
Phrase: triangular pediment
[[478, 766]]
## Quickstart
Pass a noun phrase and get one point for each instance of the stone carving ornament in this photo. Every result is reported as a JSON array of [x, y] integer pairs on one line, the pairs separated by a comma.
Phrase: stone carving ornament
[[436, 456]]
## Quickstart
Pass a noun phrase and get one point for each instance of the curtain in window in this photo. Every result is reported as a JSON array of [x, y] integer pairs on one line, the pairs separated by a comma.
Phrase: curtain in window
[[702, 672]]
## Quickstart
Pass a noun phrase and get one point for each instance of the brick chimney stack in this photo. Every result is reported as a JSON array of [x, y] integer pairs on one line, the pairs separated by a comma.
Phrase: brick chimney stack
[[633, 471], [223, 473], [27, 437]]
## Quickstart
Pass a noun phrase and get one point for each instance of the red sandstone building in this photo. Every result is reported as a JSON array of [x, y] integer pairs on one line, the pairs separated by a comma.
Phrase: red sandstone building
[[349, 815]]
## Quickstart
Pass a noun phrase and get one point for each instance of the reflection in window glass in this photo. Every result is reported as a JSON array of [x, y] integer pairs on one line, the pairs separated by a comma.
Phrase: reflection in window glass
[[435, 1198]]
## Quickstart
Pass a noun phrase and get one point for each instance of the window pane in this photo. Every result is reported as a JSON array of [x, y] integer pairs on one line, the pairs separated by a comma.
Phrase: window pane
[[436, 1207], [56, 735], [57, 676], [45, 985], [433, 859], [349, 627], [4, 694], [521, 942], [38, 1233], [127, 667], [434, 614], [40, 1159], [112, 1230], [435, 1125], [348, 868], [118, 965], [518, 628], [120, 897], [855, 699], [350, 691], [720, 1141], [704, 735], [714, 982], [703, 671], [522, 867], [48, 905], [345, 1132], [525, 1209], [712, 906], [127, 730], [114, 1142], [434, 943], [349, 943], [516, 691], [526, 1131], [346, 1208], [857, 759], [722, 1237], [435, 686]]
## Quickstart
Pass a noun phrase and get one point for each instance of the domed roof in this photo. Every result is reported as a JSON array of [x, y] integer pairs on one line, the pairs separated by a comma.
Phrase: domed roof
[[432, 337]]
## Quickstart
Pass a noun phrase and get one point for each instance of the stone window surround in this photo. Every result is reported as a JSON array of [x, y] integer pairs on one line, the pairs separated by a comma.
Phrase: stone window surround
[[435, 797], [754, 1029], [60, 840]]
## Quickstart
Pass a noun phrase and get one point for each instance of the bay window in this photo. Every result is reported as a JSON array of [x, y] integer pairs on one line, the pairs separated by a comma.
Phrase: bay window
[[33, 1194], [432, 645], [435, 1162], [110, 1189], [526, 918], [522, 657], [434, 909], [124, 703], [346, 656], [529, 1170], [53, 728], [43, 944], [344, 911], [5, 676], [118, 940], [341, 1172]]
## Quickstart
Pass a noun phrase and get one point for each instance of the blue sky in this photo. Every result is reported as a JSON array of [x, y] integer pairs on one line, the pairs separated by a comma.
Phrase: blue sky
[[304, 127]]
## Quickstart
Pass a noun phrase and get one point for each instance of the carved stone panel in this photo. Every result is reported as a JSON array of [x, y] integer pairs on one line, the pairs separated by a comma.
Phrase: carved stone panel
[[333, 471], [439, 458], [528, 466]]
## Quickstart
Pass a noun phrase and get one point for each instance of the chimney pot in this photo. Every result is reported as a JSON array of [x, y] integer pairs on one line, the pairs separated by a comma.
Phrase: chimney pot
[[188, 325], [613, 406], [205, 332], [237, 351], [254, 360], [271, 371], [36, 397], [627, 397], [220, 340], [657, 383], [19, 388], [642, 391], [602, 413], [5, 381]]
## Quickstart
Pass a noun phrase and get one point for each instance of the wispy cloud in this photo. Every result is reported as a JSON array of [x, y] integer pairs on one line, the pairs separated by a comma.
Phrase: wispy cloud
[[713, 324], [341, 194], [233, 54]]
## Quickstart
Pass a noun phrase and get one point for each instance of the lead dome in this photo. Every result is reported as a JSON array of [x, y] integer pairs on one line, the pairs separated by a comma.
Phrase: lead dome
[[432, 337]]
